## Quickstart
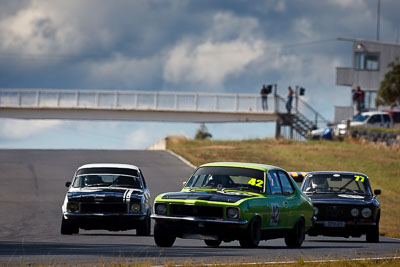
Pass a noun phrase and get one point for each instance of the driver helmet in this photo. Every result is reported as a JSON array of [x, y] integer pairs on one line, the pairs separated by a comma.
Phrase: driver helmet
[[319, 183]]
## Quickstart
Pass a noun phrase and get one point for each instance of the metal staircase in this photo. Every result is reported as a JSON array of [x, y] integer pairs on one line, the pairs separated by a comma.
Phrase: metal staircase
[[301, 122]]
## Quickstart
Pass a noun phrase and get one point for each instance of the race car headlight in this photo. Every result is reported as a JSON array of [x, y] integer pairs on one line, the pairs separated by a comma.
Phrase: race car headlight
[[366, 212], [316, 210], [355, 212], [232, 213], [161, 209], [72, 206], [135, 207]]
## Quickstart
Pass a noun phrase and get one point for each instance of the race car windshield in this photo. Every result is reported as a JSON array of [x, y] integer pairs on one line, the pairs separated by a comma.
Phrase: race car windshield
[[228, 178], [336, 183], [102, 180]]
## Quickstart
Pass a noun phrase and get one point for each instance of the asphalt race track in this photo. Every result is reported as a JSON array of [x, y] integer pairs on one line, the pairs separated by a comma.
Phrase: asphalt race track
[[33, 188]]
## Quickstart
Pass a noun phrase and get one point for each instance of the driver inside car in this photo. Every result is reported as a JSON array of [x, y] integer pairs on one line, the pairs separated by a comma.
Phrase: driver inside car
[[216, 180], [319, 184]]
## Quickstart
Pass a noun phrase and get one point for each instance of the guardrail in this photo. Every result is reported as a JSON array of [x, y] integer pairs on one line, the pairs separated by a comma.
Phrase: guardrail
[[140, 100]]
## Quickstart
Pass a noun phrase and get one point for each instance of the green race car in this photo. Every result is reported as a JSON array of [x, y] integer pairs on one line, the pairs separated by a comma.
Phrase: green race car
[[227, 201]]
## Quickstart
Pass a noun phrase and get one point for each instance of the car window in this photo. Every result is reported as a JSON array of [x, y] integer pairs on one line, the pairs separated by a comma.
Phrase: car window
[[274, 186], [106, 180], [286, 184], [375, 119], [360, 118], [142, 178], [234, 178], [386, 118], [352, 183]]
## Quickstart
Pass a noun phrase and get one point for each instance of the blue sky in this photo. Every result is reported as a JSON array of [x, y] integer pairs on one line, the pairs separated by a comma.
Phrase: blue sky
[[227, 46]]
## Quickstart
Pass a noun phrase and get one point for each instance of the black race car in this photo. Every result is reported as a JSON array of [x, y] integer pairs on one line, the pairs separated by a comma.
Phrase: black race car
[[344, 204], [112, 197]]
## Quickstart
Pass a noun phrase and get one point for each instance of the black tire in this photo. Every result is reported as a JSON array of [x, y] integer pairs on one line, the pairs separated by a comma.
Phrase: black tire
[[68, 228], [373, 234], [144, 227], [251, 238], [213, 243], [162, 237], [296, 236]]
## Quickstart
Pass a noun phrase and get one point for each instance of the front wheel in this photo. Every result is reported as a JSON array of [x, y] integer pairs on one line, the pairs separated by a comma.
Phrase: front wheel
[[213, 243], [373, 234], [144, 227], [252, 236], [162, 237], [296, 236], [68, 228]]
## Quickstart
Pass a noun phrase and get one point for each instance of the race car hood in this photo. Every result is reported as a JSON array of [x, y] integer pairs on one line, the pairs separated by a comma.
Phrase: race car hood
[[106, 194], [230, 197], [340, 199]]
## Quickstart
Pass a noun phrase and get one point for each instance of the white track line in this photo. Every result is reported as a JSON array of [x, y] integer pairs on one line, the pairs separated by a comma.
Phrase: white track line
[[182, 159]]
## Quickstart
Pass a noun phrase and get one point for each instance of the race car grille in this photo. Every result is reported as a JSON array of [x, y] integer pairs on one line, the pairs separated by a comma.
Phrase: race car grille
[[327, 212], [103, 207], [197, 211]]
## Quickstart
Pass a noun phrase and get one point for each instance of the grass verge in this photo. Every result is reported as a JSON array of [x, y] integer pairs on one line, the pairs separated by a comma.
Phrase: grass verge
[[382, 166]]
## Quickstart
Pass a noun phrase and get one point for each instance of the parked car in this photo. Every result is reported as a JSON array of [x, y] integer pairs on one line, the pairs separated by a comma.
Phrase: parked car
[[112, 197], [395, 116], [226, 201], [322, 133], [344, 204], [375, 119]]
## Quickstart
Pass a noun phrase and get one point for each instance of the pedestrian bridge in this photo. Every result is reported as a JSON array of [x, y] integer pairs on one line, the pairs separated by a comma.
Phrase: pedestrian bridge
[[159, 106], [137, 106]]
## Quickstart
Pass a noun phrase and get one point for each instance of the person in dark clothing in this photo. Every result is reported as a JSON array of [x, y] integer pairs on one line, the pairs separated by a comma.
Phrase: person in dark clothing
[[289, 99], [264, 97]]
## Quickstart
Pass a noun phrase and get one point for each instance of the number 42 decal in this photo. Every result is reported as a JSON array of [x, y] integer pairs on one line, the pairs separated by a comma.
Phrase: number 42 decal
[[255, 182], [359, 178]]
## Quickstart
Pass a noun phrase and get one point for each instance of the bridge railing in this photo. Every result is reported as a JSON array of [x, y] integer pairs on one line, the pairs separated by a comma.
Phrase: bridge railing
[[310, 113], [138, 100]]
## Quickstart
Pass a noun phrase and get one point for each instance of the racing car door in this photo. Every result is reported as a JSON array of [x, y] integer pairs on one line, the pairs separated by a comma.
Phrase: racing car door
[[290, 201], [275, 203]]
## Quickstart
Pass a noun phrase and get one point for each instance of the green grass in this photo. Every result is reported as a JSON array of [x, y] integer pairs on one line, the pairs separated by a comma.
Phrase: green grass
[[382, 166], [389, 262]]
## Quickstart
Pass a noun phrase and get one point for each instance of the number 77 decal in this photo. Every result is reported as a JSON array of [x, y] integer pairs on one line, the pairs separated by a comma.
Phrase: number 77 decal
[[359, 178]]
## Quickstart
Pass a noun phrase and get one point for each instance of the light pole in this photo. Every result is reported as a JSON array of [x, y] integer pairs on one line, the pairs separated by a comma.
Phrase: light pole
[[378, 17]]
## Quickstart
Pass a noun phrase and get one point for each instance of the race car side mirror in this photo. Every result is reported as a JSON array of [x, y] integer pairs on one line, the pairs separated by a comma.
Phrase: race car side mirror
[[377, 192], [67, 184]]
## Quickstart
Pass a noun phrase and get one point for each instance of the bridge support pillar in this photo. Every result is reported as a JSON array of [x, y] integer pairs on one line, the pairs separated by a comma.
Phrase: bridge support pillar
[[278, 128]]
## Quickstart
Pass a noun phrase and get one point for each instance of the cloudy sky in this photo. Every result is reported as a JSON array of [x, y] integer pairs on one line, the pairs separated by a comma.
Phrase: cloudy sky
[[227, 46]]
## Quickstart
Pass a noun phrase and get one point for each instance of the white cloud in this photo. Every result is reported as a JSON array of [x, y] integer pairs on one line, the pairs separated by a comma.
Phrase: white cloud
[[346, 3], [303, 29], [120, 71], [40, 28], [21, 129], [210, 61]]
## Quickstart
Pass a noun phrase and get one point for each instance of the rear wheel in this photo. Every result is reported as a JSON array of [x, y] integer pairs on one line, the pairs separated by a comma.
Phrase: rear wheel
[[162, 237], [68, 228], [144, 227], [252, 236], [213, 243], [296, 236]]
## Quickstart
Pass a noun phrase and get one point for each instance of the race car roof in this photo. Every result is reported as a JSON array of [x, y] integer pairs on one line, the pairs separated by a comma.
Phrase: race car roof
[[262, 167], [108, 165]]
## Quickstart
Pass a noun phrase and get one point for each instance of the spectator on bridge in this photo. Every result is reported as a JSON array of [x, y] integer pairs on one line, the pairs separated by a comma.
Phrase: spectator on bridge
[[289, 100], [264, 97]]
